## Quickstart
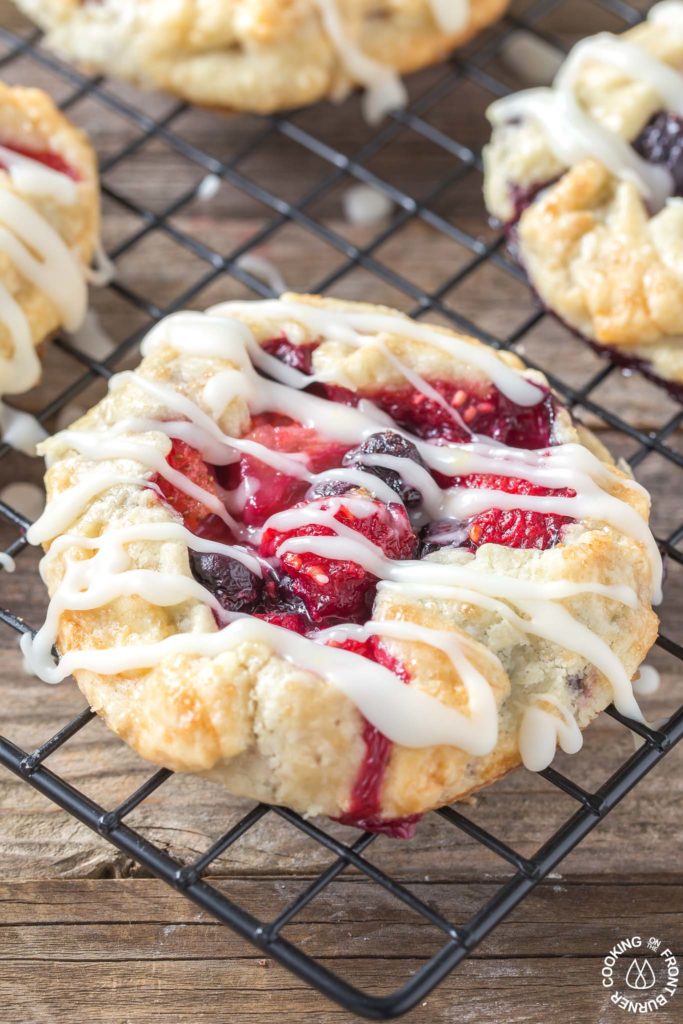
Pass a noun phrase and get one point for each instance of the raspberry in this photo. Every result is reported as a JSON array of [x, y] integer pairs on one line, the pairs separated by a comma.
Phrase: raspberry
[[489, 413], [517, 528], [332, 588], [513, 528], [269, 490], [287, 620], [661, 142], [299, 357], [189, 462], [388, 442], [236, 587]]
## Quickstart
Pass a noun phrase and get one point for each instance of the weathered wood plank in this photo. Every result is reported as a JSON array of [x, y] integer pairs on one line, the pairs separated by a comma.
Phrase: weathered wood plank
[[134, 950], [143, 919], [242, 992]]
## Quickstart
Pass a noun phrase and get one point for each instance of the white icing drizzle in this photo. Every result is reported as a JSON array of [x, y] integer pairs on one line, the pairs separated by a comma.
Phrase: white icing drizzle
[[40, 255], [7, 562], [90, 583], [21, 370], [403, 713], [358, 327], [62, 510], [384, 90], [33, 178], [668, 12], [365, 205], [408, 716], [451, 15], [572, 133], [476, 732], [208, 187], [647, 681], [263, 270], [103, 269], [91, 338], [541, 730], [20, 429], [557, 467], [156, 532]]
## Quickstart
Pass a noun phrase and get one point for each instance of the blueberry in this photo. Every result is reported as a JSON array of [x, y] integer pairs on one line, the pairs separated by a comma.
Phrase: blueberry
[[444, 533], [661, 142], [236, 588], [329, 488], [388, 442]]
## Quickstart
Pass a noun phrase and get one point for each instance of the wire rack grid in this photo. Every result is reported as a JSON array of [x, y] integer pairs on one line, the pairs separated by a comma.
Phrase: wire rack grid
[[478, 67]]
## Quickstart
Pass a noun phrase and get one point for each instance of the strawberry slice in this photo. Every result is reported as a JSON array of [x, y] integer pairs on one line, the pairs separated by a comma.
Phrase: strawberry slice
[[516, 528], [42, 156], [487, 412], [186, 460], [268, 489], [339, 589], [513, 528]]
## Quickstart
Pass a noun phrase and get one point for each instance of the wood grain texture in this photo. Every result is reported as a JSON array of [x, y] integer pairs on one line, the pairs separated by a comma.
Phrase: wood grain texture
[[82, 935], [132, 950]]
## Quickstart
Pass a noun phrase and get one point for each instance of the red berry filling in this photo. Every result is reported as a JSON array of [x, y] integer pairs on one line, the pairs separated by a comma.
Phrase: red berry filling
[[303, 591], [299, 357], [333, 589], [489, 413], [42, 156], [268, 489], [189, 462], [515, 528], [364, 809]]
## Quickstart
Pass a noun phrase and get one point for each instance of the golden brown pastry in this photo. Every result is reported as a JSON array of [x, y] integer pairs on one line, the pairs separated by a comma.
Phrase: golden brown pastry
[[340, 560], [588, 177], [262, 55], [49, 228]]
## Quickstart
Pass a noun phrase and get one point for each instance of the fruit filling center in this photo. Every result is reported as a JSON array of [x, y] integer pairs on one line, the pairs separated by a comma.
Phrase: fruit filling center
[[319, 540], [47, 157]]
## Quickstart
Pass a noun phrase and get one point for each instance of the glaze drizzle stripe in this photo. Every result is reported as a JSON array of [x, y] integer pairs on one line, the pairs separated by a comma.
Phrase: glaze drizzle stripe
[[573, 135], [53, 269], [403, 714]]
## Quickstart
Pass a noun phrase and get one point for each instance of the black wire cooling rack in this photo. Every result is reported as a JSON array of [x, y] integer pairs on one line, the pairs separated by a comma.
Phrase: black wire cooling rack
[[478, 67]]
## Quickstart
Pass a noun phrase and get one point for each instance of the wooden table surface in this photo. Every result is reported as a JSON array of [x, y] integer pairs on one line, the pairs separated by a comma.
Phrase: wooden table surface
[[83, 935]]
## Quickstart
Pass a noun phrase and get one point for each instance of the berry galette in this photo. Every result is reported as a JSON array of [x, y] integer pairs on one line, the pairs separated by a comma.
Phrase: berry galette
[[263, 55], [588, 177], [49, 228], [340, 560]]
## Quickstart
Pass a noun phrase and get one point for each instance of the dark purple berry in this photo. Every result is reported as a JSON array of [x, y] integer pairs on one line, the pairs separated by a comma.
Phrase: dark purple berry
[[329, 488], [388, 442], [236, 588], [444, 533], [661, 142], [299, 357]]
